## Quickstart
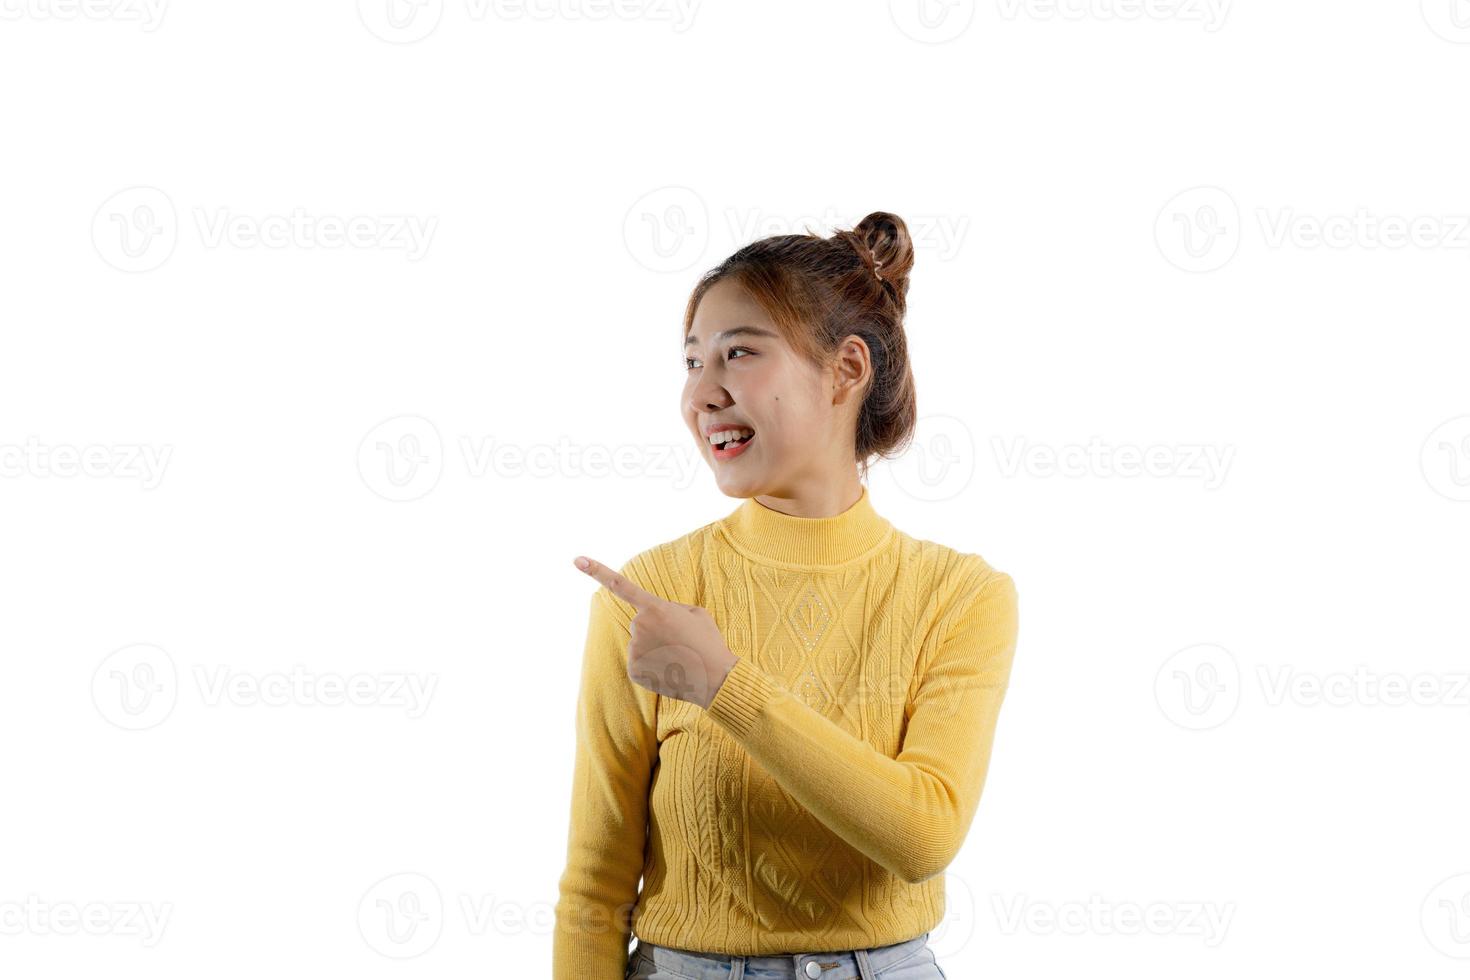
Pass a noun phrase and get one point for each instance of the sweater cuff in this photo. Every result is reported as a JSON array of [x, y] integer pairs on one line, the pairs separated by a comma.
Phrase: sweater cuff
[[744, 692]]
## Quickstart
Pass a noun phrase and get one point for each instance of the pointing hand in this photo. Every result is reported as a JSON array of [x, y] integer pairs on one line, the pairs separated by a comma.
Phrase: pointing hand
[[673, 649]]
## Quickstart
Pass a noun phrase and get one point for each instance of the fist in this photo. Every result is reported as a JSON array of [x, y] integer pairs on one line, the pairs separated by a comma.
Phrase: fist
[[673, 649]]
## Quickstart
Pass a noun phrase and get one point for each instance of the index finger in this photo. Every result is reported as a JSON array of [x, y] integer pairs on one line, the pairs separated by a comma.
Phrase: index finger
[[619, 585]]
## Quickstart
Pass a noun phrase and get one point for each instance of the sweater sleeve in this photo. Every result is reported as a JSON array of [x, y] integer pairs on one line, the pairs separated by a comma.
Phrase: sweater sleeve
[[911, 813], [617, 748]]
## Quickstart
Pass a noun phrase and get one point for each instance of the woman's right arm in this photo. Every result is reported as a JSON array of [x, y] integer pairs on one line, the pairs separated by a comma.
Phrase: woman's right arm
[[617, 748]]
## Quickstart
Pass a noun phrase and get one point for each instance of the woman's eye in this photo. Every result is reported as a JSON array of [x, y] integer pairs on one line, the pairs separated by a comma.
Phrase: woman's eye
[[689, 362]]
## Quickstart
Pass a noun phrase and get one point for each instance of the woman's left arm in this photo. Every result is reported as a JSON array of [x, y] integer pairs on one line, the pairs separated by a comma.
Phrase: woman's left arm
[[910, 814]]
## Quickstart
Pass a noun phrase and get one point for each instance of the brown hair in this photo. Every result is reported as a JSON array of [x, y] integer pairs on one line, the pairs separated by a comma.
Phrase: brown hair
[[818, 290]]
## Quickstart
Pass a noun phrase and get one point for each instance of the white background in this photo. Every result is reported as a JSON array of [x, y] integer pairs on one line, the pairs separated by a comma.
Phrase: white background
[[1193, 230]]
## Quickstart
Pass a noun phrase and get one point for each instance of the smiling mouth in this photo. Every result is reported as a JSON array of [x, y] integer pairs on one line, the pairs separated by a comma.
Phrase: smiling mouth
[[731, 448]]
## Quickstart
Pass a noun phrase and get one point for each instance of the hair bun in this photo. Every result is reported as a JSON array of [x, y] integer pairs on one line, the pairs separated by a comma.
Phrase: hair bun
[[883, 241]]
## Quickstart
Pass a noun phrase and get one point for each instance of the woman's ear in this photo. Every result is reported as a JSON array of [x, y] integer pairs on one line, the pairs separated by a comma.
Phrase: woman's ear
[[851, 369]]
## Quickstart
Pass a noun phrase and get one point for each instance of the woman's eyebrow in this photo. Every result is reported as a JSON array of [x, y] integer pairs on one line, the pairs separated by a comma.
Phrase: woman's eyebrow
[[757, 331]]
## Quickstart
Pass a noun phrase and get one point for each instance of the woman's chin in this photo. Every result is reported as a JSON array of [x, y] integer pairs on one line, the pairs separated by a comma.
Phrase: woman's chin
[[736, 485]]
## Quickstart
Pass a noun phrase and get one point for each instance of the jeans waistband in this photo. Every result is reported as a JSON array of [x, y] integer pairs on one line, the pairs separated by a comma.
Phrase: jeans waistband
[[853, 964]]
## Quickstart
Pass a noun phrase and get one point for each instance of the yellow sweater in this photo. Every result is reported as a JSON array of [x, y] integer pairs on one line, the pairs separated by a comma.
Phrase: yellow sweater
[[834, 776]]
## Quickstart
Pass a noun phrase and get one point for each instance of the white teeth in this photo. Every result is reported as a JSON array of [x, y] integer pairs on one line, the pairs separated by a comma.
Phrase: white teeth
[[726, 435]]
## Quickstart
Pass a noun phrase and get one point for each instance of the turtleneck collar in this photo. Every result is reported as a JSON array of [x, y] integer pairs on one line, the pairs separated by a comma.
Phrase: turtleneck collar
[[763, 534]]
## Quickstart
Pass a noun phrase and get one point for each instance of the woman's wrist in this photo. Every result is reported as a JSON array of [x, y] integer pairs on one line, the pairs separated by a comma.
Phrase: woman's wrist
[[718, 677]]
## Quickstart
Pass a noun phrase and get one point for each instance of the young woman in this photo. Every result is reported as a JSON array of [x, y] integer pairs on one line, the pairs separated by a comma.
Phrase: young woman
[[785, 717]]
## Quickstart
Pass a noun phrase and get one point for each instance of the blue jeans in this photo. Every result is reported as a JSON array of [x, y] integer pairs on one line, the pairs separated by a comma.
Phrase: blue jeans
[[909, 960]]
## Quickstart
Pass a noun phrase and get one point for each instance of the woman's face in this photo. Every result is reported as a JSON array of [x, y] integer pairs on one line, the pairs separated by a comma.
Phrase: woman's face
[[741, 371]]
